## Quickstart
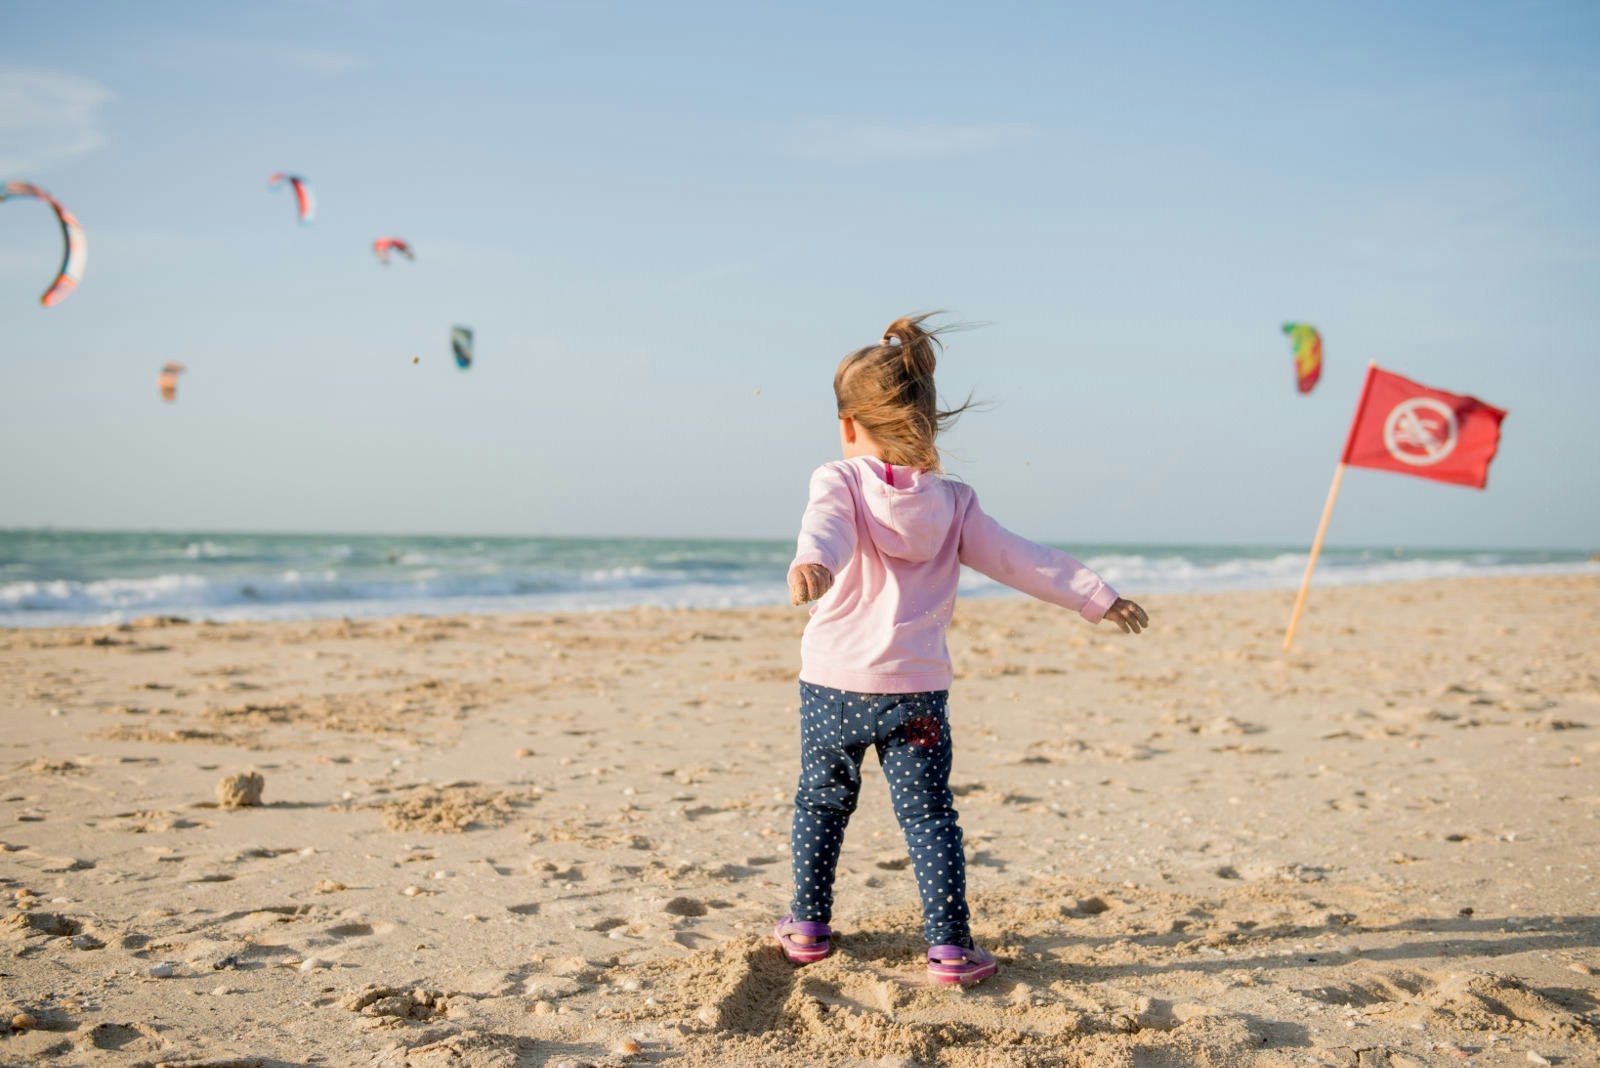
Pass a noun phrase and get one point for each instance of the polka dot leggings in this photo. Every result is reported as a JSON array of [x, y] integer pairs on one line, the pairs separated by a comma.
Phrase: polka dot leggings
[[911, 733]]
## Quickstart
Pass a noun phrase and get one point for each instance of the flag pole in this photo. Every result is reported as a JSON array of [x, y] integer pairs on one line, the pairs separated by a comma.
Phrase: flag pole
[[1316, 550], [1327, 510]]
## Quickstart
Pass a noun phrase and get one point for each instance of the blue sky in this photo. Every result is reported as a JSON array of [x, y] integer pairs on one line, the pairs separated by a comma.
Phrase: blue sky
[[666, 224]]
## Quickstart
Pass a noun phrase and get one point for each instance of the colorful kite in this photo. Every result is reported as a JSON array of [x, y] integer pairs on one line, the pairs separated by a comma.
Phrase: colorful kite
[[168, 381], [77, 251], [461, 345], [307, 204], [382, 247], [1307, 354]]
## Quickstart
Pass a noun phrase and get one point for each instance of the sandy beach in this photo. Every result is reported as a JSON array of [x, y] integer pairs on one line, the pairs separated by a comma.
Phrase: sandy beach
[[548, 840]]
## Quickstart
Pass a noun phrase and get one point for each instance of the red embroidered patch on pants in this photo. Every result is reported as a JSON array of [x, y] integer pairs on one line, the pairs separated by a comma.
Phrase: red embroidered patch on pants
[[923, 731]]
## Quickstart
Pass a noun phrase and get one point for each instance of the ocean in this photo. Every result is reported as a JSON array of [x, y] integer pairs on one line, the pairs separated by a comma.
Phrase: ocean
[[57, 578]]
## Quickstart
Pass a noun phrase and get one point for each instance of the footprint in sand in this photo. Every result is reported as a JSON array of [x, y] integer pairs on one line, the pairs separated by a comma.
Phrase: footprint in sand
[[1476, 1002], [685, 906], [124, 1038]]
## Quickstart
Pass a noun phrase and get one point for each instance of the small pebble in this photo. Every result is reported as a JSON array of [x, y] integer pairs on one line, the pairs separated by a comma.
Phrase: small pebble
[[1580, 967], [1534, 1058], [629, 985], [163, 970], [628, 1048], [542, 1008], [311, 964], [221, 991], [524, 753], [413, 891], [23, 1021]]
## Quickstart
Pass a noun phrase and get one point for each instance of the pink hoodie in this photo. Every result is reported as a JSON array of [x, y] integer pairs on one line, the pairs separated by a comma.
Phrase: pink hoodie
[[895, 539]]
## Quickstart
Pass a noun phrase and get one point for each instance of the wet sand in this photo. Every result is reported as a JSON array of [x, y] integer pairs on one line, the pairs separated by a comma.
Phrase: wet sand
[[562, 839]]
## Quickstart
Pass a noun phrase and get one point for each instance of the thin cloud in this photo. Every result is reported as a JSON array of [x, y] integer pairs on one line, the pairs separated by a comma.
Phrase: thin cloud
[[838, 140], [321, 62], [47, 117], [312, 60], [1460, 228]]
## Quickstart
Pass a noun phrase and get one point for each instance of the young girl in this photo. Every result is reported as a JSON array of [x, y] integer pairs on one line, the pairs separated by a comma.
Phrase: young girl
[[881, 547]]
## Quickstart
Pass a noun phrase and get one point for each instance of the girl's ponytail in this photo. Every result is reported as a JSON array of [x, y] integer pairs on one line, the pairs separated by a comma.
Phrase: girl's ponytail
[[915, 346]]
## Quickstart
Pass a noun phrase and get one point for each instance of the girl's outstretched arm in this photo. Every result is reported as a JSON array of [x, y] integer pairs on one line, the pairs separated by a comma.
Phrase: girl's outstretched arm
[[828, 528], [1037, 570]]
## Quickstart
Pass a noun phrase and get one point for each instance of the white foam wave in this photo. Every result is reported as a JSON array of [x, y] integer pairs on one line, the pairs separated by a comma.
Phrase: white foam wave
[[307, 592]]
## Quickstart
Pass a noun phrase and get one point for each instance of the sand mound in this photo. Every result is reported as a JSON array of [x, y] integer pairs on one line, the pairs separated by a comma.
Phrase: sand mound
[[242, 790], [452, 808], [871, 1002]]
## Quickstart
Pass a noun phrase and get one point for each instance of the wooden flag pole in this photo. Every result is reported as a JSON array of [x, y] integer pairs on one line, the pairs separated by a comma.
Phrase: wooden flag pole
[[1327, 509], [1316, 550]]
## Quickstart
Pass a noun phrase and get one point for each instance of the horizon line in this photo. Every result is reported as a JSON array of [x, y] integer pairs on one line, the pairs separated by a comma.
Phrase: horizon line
[[1157, 544]]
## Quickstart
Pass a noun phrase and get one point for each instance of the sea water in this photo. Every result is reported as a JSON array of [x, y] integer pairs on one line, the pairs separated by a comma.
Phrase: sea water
[[54, 578]]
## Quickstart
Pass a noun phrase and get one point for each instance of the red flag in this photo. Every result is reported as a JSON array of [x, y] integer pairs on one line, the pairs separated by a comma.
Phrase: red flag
[[1407, 428]]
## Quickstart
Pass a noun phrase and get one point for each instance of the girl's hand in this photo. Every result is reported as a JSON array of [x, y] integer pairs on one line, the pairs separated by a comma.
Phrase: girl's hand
[[808, 582], [1124, 613]]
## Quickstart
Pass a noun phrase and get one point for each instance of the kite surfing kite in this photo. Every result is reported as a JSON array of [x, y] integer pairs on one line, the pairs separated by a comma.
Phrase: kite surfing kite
[[382, 248], [1307, 354], [461, 345], [305, 203], [168, 381], [77, 246]]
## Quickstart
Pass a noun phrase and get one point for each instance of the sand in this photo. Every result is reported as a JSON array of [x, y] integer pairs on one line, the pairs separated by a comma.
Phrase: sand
[[548, 840]]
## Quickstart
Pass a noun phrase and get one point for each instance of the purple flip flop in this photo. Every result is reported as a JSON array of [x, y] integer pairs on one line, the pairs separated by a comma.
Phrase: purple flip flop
[[958, 964], [803, 952]]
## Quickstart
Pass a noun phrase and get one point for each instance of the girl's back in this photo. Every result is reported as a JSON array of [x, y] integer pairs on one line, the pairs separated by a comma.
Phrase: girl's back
[[891, 536], [894, 539]]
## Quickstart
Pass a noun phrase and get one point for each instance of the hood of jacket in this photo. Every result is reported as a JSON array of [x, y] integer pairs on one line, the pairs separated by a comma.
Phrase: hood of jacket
[[909, 510]]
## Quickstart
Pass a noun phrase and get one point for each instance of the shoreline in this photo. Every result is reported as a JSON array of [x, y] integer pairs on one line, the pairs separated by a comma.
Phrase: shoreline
[[99, 580], [467, 607], [523, 839]]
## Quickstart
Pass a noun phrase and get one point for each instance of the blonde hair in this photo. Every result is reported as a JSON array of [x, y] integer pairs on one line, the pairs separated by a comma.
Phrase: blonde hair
[[888, 389]]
